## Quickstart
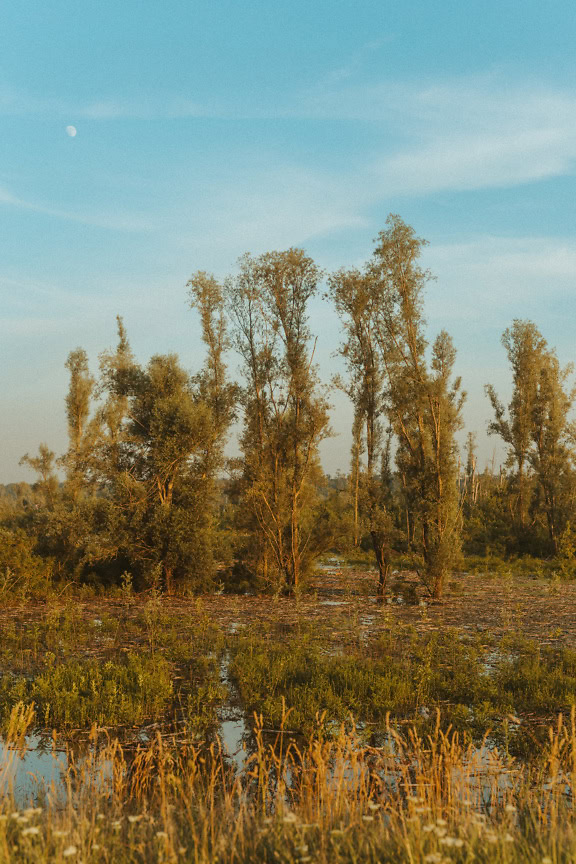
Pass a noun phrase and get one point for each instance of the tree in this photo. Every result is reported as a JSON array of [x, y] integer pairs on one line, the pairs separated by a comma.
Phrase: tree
[[352, 296], [423, 404], [526, 349], [551, 457], [285, 418], [81, 432], [44, 464]]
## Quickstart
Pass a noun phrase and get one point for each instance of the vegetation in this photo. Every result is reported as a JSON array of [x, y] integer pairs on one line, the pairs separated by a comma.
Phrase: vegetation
[[217, 686]]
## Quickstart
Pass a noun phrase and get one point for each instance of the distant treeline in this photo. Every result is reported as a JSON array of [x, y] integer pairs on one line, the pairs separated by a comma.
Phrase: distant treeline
[[143, 501]]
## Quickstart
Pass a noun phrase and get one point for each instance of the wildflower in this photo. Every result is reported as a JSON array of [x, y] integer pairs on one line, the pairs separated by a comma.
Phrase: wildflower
[[413, 799], [14, 815], [441, 822], [337, 832], [31, 832], [455, 842], [161, 835], [305, 859], [95, 847], [290, 818], [58, 833], [433, 858], [182, 850], [491, 837], [368, 818], [69, 852], [546, 860], [422, 809], [303, 848], [510, 808], [22, 820], [117, 824], [508, 838], [440, 832], [428, 828], [373, 806], [134, 819]]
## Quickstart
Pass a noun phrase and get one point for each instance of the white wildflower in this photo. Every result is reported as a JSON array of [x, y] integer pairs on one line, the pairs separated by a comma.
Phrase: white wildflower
[[290, 818], [69, 852], [59, 833], [453, 842], [31, 832], [161, 835], [134, 819]]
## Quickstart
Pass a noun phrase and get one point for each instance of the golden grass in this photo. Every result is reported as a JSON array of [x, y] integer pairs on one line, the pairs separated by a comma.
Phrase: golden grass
[[430, 799]]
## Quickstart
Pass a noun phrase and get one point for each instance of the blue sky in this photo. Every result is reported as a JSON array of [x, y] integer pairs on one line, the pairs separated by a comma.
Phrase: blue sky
[[207, 129]]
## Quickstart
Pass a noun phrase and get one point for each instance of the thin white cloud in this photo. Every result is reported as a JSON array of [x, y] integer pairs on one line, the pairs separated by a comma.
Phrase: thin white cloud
[[491, 280], [110, 221]]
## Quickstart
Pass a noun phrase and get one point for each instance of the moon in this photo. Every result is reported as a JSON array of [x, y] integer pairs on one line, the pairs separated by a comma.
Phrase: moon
[[71, 131]]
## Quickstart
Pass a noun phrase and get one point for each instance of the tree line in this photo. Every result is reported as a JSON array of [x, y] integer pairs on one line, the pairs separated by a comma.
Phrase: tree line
[[148, 495]]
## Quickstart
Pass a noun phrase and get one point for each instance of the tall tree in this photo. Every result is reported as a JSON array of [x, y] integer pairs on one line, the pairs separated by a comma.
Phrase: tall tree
[[371, 488], [81, 431], [526, 349], [552, 455], [424, 403], [285, 417]]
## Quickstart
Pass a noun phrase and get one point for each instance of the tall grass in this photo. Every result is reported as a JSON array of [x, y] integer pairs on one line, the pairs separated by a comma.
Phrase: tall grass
[[417, 798]]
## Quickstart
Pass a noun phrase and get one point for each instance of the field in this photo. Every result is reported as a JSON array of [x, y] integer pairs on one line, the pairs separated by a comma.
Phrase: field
[[329, 727]]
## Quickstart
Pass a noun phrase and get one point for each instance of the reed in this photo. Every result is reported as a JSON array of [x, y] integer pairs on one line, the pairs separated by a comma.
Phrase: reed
[[431, 798]]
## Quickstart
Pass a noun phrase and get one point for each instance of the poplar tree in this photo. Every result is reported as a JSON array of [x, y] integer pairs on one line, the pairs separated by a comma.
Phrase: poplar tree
[[552, 456], [351, 294], [82, 431], [285, 416], [526, 350], [424, 401]]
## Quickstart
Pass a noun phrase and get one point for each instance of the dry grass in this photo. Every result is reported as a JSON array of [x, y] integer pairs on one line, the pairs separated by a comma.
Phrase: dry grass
[[415, 799]]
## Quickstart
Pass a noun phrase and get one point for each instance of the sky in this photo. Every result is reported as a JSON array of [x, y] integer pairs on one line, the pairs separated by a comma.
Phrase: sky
[[206, 129]]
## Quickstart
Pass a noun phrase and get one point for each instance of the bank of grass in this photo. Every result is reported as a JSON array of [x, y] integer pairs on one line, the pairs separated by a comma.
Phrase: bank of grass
[[478, 683], [419, 798], [114, 670]]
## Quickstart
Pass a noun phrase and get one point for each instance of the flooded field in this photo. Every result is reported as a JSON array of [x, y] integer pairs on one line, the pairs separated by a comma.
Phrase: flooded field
[[241, 728]]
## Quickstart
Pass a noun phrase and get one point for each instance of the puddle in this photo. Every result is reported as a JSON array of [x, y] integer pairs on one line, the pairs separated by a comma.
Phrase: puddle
[[27, 773]]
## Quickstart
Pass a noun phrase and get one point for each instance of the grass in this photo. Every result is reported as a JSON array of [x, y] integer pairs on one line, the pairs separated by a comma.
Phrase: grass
[[407, 676], [421, 798], [381, 732]]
